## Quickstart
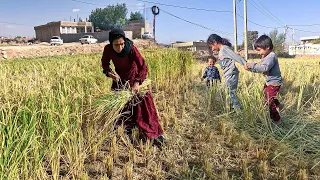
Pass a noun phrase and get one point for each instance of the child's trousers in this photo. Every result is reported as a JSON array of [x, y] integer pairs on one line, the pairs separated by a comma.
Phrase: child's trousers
[[232, 85], [270, 93], [211, 83]]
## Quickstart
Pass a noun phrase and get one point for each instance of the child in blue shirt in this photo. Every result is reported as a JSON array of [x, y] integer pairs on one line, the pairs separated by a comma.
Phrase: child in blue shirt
[[211, 72]]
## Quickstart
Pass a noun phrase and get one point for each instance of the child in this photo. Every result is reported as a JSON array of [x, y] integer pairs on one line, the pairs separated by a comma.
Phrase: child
[[269, 66], [211, 73], [227, 59]]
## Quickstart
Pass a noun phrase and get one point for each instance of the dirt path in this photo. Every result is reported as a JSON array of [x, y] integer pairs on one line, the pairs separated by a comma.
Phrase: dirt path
[[45, 49]]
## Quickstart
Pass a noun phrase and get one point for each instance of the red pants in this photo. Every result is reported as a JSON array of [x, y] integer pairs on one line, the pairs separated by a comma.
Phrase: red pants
[[142, 113], [270, 93]]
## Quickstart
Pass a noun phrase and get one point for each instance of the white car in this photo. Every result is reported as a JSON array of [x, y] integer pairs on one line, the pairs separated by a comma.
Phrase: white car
[[56, 40], [88, 39], [147, 35]]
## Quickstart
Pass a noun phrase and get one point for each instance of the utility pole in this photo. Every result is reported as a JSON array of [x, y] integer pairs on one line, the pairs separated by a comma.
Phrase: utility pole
[[155, 11], [235, 25], [145, 13], [245, 29], [293, 37], [285, 35], [285, 31]]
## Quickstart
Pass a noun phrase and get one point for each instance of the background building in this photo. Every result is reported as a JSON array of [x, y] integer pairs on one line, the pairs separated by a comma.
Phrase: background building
[[138, 27], [46, 31], [191, 46]]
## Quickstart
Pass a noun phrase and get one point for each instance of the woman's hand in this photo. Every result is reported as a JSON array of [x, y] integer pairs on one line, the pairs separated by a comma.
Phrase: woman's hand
[[135, 88], [114, 76]]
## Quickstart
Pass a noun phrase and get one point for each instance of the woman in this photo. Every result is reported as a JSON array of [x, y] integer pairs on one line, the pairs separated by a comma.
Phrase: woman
[[130, 67], [227, 60]]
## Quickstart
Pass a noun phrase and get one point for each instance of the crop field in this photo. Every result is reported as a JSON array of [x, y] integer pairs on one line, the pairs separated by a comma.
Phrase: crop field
[[49, 128]]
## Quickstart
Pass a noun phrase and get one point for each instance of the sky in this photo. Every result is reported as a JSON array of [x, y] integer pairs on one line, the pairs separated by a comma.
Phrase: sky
[[18, 17]]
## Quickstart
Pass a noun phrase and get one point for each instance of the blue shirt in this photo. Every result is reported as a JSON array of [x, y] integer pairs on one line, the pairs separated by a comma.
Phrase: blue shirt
[[211, 73]]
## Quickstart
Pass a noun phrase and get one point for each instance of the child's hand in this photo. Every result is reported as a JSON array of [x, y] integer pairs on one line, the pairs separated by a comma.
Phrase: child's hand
[[246, 67]]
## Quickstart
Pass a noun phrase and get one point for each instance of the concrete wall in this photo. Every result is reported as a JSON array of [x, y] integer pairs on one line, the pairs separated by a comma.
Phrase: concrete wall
[[138, 27], [191, 46], [101, 36], [44, 34], [201, 46], [309, 49]]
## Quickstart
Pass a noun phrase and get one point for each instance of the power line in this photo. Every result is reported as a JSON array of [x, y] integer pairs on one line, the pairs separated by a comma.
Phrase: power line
[[258, 24], [209, 10], [185, 7], [306, 31], [262, 11], [305, 25], [271, 13], [4, 22], [204, 27]]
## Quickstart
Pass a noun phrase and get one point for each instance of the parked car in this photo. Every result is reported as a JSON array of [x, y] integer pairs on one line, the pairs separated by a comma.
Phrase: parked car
[[147, 35], [31, 41], [88, 39], [56, 40]]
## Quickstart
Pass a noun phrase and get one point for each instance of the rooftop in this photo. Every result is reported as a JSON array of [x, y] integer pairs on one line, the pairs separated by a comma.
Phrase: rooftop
[[65, 23], [309, 38]]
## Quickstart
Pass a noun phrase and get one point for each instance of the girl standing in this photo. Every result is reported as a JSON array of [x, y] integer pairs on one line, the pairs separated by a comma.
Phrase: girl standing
[[227, 59]]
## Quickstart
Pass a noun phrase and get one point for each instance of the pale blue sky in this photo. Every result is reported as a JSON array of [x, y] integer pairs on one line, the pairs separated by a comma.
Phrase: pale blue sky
[[168, 28]]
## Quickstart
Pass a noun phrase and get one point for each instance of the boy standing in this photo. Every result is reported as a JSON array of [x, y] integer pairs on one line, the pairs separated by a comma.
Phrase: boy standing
[[211, 73], [269, 66]]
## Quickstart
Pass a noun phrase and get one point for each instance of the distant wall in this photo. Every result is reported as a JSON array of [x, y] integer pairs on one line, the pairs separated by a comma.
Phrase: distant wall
[[201, 46], [44, 33], [138, 27], [309, 49], [101, 36]]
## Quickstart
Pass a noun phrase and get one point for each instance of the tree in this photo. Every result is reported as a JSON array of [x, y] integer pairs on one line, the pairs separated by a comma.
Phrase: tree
[[135, 16], [252, 37], [113, 16], [315, 41], [277, 40]]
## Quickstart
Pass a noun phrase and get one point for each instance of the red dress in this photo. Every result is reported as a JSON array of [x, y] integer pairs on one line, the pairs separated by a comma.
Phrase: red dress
[[132, 68]]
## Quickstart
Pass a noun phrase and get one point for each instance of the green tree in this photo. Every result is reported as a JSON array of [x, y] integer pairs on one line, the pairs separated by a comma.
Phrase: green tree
[[315, 41], [113, 16], [135, 16], [277, 40]]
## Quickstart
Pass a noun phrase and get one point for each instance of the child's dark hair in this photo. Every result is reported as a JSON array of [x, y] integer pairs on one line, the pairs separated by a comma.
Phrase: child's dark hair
[[216, 38], [263, 42], [213, 58]]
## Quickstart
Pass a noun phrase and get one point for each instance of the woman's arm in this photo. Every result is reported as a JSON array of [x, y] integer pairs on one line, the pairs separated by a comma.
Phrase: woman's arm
[[105, 61], [141, 64]]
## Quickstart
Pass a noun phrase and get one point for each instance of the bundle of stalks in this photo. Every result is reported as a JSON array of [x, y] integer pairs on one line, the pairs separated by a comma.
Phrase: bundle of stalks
[[107, 109], [114, 102]]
